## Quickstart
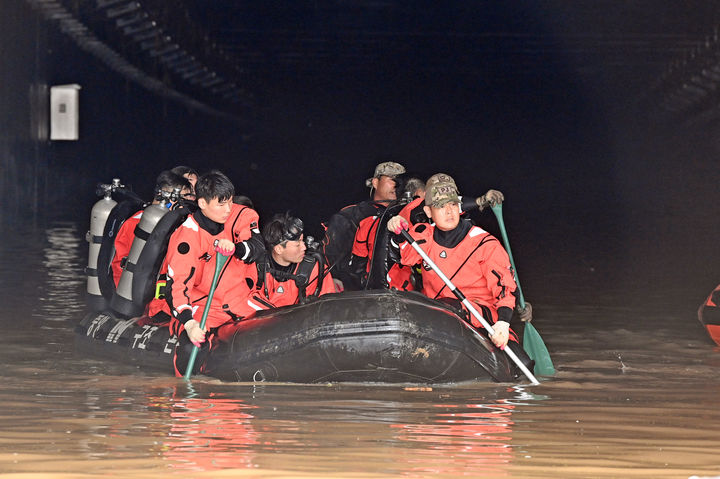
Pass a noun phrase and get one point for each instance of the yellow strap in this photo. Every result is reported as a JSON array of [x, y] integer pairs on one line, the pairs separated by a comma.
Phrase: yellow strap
[[160, 289]]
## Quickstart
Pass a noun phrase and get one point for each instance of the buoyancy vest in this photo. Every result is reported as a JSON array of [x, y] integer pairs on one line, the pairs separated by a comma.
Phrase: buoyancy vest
[[278, 286]]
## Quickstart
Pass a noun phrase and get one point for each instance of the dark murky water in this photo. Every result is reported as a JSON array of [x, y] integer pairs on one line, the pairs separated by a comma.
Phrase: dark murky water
[[635, 396]]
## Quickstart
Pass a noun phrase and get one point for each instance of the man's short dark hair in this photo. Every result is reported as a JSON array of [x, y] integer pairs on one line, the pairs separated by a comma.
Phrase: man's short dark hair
[[168, 179], [184, 170], [214, 184], [282, 227]]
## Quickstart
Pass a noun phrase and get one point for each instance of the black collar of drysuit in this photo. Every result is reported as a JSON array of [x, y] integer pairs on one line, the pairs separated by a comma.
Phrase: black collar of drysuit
[[207, 224], [450, 239], [279, 272]]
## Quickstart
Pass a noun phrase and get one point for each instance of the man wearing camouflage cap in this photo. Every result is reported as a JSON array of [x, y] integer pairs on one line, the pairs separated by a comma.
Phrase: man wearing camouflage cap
[[472, 257], [400, 276], [350, 233], [414, 212]]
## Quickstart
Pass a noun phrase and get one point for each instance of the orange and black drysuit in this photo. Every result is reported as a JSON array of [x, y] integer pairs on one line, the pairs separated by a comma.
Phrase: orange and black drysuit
[[277, 285], [475, 262], [191, 267], [399, 276]]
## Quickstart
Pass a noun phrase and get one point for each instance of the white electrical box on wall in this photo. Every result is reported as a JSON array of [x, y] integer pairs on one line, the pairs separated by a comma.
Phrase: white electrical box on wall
[[64, 112]]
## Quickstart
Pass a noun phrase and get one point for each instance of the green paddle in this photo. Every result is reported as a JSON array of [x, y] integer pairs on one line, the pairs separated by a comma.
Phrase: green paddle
[[532, 342], [220, 260]]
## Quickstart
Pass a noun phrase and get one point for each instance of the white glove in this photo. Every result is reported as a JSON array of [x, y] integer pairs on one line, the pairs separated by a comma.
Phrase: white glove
[[502, 334], [194, 332], [397, 224]]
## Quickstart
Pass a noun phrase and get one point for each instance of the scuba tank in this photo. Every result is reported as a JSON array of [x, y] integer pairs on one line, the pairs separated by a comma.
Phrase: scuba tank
[[118, 215], [148, 282], [98, 217], [122, 300]]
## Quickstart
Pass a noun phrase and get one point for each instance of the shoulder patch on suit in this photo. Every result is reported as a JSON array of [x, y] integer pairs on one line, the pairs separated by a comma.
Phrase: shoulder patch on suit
[[475, 230], [183, 248], [191, 223]]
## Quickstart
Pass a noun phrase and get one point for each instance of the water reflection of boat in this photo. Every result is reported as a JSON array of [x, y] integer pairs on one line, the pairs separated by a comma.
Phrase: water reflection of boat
[[368, 336]]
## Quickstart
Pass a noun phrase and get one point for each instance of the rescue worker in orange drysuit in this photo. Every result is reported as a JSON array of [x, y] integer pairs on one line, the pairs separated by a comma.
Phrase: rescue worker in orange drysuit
[[473, 259], [166, 182], [288, 274], [218, 226]]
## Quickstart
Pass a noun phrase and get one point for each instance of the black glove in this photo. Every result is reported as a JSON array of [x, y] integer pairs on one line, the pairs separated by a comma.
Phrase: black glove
[[251, 250], [525, 314]]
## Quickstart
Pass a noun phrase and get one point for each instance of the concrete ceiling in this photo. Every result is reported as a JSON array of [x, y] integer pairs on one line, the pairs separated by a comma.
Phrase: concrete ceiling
[[230, 55]]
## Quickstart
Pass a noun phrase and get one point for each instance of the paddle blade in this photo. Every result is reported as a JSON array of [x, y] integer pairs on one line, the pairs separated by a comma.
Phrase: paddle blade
[[535, 348]]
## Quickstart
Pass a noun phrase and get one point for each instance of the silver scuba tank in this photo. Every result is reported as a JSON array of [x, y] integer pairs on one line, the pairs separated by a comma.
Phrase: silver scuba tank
[[122, 300], [98, 217]]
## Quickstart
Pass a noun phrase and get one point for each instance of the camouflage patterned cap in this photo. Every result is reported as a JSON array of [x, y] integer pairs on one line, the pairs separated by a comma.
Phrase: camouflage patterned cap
[[438, 178], [442, 193], [388, 168]]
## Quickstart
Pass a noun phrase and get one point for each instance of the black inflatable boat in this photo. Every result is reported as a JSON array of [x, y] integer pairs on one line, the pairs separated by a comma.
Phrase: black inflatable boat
[[365, 336]]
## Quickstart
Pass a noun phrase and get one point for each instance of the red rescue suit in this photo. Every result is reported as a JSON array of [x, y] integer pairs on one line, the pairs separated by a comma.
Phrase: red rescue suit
[[364, 241], [399, 275], [477, 265], [191, 267], [123, 242]]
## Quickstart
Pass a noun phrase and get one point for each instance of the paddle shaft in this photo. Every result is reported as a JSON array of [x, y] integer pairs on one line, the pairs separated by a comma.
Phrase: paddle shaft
[[497, 210], [220, 260], [459, 295], [532, 342]]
